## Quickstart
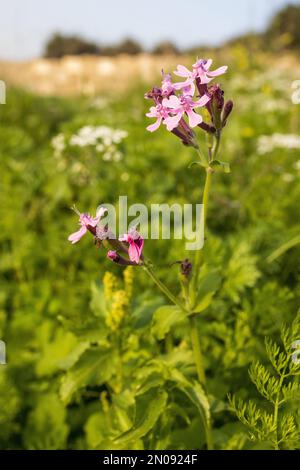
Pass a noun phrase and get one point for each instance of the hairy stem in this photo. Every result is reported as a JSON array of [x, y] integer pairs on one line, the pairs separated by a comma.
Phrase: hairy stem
[[164, 288], [208, 180], [205, 199], [198, 358]]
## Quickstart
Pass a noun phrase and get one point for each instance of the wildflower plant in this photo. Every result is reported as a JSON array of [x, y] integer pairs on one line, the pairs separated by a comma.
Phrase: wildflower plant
[[104, 360], [176, 106]]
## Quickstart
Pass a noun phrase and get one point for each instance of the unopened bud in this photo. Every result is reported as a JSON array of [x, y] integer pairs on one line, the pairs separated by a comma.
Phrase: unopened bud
[[217, 105], [117, 259], [186, 268], [227, 111]]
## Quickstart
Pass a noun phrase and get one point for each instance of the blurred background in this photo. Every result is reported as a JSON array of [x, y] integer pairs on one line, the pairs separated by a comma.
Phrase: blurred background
[[33, 32], [73, 130]]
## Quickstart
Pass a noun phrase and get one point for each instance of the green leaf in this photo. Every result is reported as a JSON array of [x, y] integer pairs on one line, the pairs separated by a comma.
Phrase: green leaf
[[98, 300], [71, 359], [10, 404], [217, 165], [241, 271], [197, 163], [196, 394], [46, 427], [204, 303], [209, 283], [143, 314], [283, 249], [149, 408], [55, 348], [164, 319], [95, 367]]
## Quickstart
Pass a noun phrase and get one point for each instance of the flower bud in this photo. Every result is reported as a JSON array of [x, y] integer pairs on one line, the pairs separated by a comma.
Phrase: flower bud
[[117, 259], [108, 239], [186, 268], [217, 105], [155, 94], [207, 128], [186, 134], [227, 111]]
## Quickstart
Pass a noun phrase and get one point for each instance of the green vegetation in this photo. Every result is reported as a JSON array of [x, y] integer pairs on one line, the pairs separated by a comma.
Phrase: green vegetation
[[96, 359]]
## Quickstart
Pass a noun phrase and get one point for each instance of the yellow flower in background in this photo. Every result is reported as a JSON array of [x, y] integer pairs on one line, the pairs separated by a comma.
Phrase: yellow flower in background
[[117, 299]]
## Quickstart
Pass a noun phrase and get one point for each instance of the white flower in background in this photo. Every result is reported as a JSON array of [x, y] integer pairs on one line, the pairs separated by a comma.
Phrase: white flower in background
[[288, 177], [105, 140], [297, 165], [272, 105], [58, 143], [267, 143], [99, 102]]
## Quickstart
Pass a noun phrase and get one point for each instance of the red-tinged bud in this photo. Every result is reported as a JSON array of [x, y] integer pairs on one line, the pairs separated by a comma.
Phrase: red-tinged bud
[[186, 268], [207, 128], [155, 94], [186, 134], [217, 105], [108, 239], [117, 259], [227, 111]]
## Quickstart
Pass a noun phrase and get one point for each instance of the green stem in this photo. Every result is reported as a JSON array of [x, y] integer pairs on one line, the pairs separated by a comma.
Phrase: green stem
[[197, 349], [217, 146], [206, 192], [198, 358], [164, 288], [277, 404], [205, 199]]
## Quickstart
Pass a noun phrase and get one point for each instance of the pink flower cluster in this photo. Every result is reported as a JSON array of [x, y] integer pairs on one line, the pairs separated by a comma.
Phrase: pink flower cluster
[[130, 244], [170, 109]]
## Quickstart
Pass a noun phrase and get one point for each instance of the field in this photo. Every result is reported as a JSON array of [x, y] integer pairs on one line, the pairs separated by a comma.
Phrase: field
[[96, 359]]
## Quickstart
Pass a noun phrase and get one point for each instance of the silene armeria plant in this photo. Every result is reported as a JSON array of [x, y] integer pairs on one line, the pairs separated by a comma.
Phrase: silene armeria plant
[[178, 107]]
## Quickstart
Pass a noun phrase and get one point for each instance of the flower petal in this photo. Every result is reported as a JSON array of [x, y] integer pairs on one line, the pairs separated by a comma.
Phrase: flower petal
[[173, 121], [75, 237], [202, 101], [124, 238], [180, 85], [204, 79], [152, 112], [208, 64], [155, 126], [194, 118], [101, 211], [135, 250], [189, 89], [182, 71], [217, 72], [171, 102]]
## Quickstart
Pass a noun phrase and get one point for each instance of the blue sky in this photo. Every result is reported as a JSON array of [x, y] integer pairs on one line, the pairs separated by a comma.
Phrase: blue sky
[[26, 24]]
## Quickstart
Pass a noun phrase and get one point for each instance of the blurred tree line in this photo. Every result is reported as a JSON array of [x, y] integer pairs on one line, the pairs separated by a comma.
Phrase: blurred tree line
[[60, 45], [283, 32]]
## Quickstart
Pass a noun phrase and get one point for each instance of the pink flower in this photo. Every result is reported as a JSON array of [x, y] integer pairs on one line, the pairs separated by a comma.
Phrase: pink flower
[[136, 245], [200, 71], [167, 87], [160, 113], [87, 223], [201, 68], [178, 106]]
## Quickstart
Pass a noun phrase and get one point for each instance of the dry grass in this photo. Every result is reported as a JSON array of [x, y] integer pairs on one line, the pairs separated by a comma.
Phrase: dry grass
[[87, 75]]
